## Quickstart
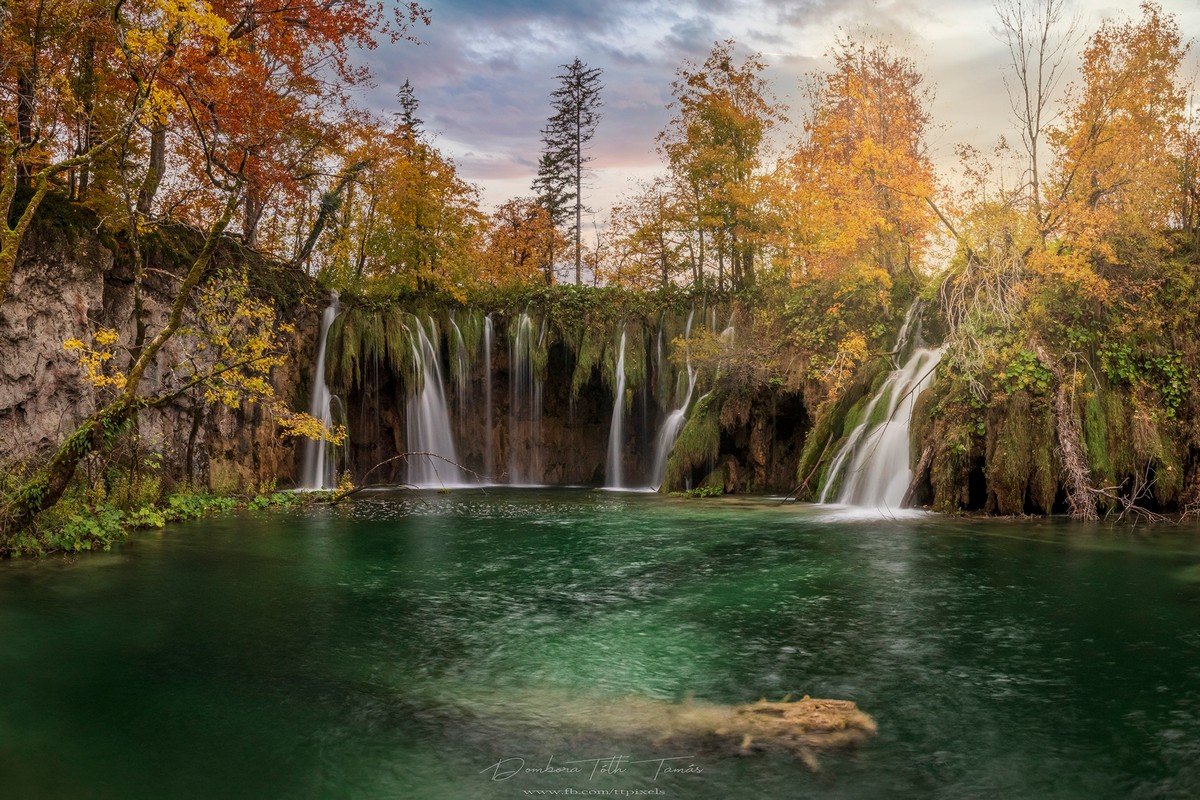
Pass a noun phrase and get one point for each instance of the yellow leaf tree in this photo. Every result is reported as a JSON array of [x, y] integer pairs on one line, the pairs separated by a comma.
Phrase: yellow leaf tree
[[715, 147], [1115, 180], [857, 184]]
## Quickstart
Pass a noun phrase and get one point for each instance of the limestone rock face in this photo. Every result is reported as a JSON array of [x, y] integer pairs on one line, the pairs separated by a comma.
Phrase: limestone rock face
[[67, 284], [56, 289]]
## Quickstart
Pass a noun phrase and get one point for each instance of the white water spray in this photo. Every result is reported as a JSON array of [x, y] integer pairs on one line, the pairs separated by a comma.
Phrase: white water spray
[[616, 432], [428, 420], [872, 466], [668, 432], [488, 464], [318, 467]]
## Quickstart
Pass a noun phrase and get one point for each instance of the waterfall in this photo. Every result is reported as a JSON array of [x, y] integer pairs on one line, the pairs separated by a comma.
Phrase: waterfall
[[668, 432], [318, 467], [525, 403], [488, 465], [428, 420], [462, 370], [873, 464], [616, 433]]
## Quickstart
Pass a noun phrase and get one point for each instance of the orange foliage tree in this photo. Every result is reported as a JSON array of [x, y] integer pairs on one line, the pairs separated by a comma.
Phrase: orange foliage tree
[[408, 222], [521, 242], [1115, 180], [651, 247], [237, 76], [857, 186], [715, 148]]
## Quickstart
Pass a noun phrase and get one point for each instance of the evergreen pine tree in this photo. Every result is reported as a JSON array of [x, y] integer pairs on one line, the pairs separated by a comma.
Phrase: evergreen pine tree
[[408, 109], [565, 139]]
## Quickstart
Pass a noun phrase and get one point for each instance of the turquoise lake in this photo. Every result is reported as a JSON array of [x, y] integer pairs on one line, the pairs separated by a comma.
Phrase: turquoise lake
[[403, 645]]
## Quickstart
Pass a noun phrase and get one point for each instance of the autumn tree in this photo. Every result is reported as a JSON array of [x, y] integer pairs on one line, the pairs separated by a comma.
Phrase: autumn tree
[[39, 98], [715, 145], [407, 221], [861, 176], [1187, 215], [187, 55], [1115, 178], [566, 140], [650, 243], [282, 90], [521, 241]]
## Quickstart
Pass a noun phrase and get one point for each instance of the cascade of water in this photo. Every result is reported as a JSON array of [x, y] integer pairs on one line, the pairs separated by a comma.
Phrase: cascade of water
[[873, 464], [488, 466], [318, 469], [525, 405], [428, 420], [668, 432], [616, 432], [462, 372]]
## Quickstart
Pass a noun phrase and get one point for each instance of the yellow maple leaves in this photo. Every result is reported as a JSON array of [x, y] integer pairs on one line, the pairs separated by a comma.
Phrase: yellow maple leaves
[[95, 358]]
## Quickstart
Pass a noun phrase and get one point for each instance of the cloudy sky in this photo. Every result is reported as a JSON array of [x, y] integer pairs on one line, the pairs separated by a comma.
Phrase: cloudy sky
[[485, 68]]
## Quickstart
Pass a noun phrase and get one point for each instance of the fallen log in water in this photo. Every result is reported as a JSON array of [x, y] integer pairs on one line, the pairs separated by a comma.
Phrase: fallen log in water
[[799, 727]]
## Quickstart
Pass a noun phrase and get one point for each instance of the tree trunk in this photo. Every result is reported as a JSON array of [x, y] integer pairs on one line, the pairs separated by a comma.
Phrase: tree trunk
[[720, 266], [85, 89], [578, 210], [48, 485], [154, 170], [26, 85], [252, 212], [330, 202], [1076, 473], [190, 456]]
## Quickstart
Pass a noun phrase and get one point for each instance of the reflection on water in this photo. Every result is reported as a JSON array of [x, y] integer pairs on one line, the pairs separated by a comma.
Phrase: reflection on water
[[401, 645]]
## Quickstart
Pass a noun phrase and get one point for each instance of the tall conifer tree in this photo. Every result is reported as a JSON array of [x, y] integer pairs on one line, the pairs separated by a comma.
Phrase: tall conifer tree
[[565, 140]]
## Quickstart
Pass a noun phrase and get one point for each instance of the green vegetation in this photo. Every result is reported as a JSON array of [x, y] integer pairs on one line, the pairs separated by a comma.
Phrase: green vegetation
[[97, 516]]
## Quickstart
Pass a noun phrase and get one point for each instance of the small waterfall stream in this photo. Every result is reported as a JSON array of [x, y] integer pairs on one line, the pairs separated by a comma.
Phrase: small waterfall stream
[[668, 432], [428, 420], [525, 405], [318, 467], [461, 371], [616, 431], [872, 467], [489, 465]]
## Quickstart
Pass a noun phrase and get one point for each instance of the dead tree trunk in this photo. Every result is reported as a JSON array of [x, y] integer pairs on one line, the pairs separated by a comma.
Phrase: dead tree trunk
[[1075, 472]]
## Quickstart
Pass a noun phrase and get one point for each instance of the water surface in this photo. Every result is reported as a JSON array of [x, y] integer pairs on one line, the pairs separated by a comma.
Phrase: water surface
[[402, 645]]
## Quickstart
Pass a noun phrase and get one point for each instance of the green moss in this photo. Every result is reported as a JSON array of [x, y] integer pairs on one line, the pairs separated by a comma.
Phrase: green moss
[[714, 482], [1095, 434], [588, 352], [361, 336], [1045, 465], [950, 469], [816, 444], [835, 421], [1009, 452], [921, 424], [879, 414], [1169, 475], [398, 345], [854, 416]]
